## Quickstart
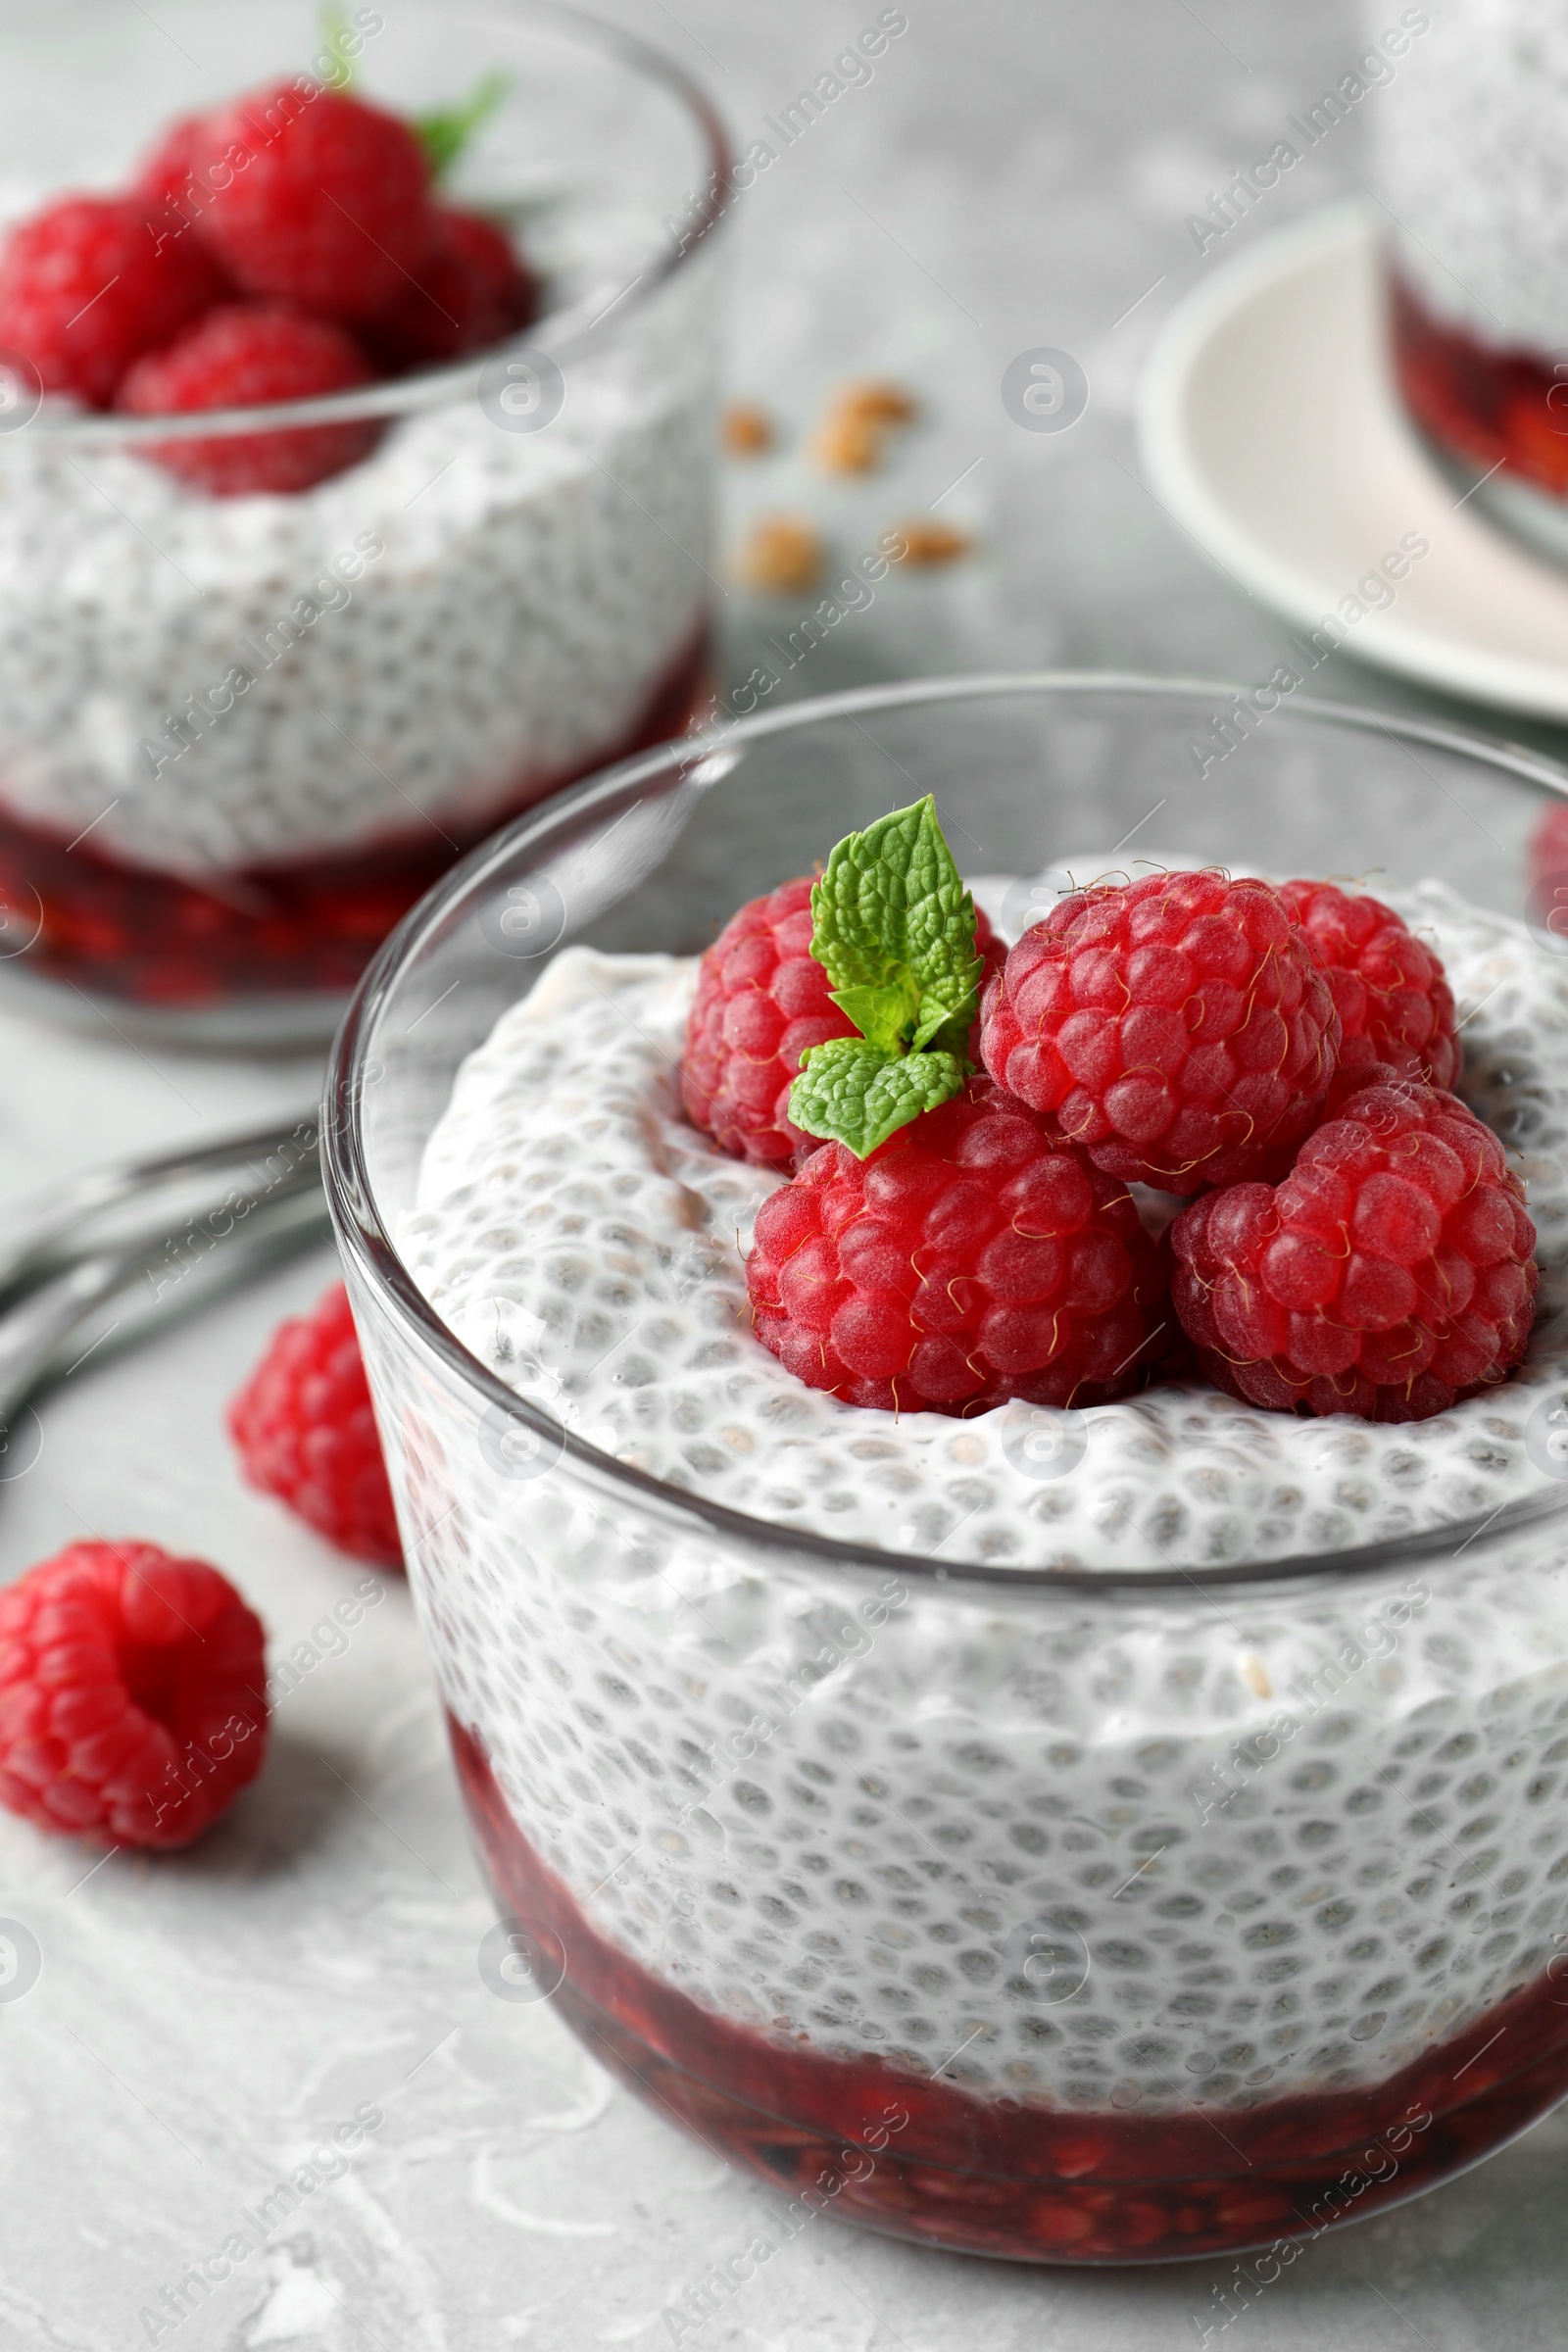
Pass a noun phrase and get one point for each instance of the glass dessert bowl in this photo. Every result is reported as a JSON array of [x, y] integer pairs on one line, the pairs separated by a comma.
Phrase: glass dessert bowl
[[1088, 1837], [1466, 139], [241, 734]]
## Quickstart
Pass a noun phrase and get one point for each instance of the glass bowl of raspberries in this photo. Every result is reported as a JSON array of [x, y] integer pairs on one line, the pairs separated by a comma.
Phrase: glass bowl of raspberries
[[964, 1287], [355, 451]]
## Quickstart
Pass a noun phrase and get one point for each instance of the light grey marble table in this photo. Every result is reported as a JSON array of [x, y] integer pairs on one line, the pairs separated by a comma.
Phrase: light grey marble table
[[1013, 175]]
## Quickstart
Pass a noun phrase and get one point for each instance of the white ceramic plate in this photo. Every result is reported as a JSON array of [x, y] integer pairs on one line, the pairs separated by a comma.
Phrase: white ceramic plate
[[1270, 431]]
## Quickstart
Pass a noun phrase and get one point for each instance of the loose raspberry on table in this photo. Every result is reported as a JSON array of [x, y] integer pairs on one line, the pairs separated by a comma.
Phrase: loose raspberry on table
[[761, 1001], [245, 355], [315, 198], [471, 290], [1178, 1028], [1389, 991], [970, 1259], [85, 288], [132, 1698], [1391, 1274], [306, 1432]]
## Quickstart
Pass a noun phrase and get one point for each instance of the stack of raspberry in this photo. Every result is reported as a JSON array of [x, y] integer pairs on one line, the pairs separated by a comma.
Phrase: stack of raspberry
[[283, 247], [1353, 1241]]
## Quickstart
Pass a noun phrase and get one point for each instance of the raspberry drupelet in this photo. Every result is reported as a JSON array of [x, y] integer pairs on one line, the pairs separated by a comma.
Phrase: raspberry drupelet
[[1178, 1028], [306, 1432], [762, 1000], [1390, 1275], [971, 1259], [1393, 1002], [133, 1694]]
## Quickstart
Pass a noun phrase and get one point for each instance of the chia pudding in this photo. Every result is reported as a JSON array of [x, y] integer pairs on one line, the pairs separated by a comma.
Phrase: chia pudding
[[281, 716], [1467, 143], [260, 684], [1060, 1926]]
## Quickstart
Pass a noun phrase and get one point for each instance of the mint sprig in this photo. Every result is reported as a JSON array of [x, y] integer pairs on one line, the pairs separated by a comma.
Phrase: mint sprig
[[893, 927], [446, 131]]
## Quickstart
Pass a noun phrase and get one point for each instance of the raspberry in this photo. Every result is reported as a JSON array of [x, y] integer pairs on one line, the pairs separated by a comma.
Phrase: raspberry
[[83, 288], [1178, 1028], [306, 1432], [470, 291], [240, 356], [1392, 1273], [761, 1000], [972, 1257], [1393, 1003], [311, 197], [132, 1702]]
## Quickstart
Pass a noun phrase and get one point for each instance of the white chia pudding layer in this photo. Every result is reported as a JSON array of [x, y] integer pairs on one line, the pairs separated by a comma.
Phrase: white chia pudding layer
[[215, 682], [1468, 142], [1106, 1858], [1108, 1854]]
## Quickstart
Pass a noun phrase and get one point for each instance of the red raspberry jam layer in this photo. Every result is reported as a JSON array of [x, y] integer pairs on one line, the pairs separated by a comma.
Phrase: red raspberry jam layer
[[922, 2159], [1486, 407], [303, 928]]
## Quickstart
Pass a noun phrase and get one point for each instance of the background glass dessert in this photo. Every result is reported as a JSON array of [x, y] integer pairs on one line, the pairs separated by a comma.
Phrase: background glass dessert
[[1467, 142], [240, 735], [1094, 1914]]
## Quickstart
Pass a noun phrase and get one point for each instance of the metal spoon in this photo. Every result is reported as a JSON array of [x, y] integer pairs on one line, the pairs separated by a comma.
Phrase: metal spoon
[[59, 1227]]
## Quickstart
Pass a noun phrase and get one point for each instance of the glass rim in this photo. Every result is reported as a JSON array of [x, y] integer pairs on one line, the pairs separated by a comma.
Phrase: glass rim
[[363, 1240], [571, 330]]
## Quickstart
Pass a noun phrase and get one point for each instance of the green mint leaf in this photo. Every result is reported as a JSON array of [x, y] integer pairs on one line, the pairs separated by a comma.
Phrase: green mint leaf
[[445, 131], [953, 1036], [886, 1016], [854, 1093], [893, 927]]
